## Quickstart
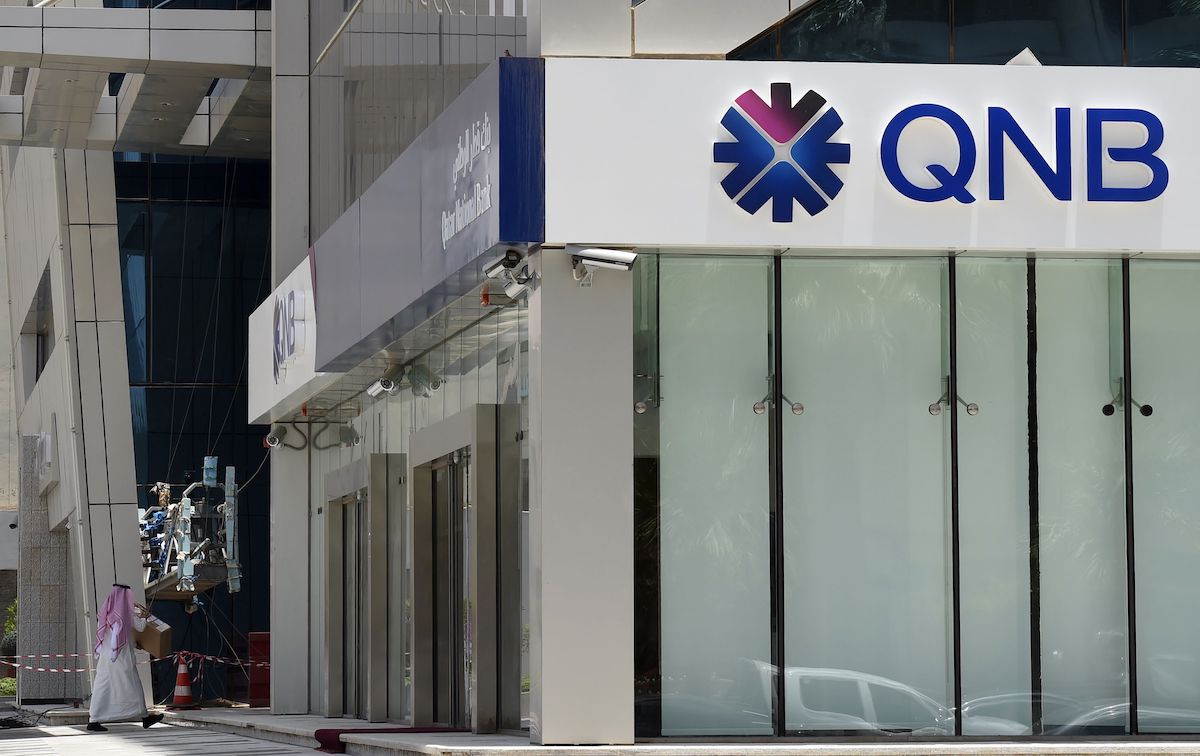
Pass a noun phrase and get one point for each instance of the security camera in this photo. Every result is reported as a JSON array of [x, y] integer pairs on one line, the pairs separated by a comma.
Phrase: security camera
[[12, 525], [507, 262], [600, 257], [515, 288], [423, 381], [387, 384], [585, 261], [275, 438]]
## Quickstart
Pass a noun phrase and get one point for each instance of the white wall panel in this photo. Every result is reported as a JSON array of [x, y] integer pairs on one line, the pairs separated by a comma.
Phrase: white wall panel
[[599, 28], [701, 27], [82, 282], [77, 188], [92, 401], [102, 199], [118, 424], [106, 273]]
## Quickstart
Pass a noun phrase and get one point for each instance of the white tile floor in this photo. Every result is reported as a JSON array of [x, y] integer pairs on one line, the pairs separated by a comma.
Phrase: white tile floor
[[132, 740]]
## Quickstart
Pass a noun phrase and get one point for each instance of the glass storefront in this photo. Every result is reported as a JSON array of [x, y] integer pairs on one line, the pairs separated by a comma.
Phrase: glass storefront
[[946, 496]]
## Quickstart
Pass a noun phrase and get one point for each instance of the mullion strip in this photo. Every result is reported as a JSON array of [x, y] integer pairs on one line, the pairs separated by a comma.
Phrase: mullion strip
[[1130, 592], [775, 462], [955, 561], [1035, 555]]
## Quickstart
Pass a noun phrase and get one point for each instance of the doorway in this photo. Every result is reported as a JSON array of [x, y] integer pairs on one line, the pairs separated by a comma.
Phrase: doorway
[[450, 537], [354, 590], [457, 613]]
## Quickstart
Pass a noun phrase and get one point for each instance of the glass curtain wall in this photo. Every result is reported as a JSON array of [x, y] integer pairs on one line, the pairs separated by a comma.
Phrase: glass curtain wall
[[944, 496], [1058, 32]]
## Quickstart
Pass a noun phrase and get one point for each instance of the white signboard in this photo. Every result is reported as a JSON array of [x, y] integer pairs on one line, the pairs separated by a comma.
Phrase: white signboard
[[283, 349], [844, 156]]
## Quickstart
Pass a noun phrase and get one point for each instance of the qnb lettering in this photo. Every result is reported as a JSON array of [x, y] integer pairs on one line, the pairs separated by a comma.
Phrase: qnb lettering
[[1053, 171]]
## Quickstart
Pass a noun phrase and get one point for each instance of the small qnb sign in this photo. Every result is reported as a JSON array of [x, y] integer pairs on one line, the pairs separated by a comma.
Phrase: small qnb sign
[[288, 327], [782, 152]]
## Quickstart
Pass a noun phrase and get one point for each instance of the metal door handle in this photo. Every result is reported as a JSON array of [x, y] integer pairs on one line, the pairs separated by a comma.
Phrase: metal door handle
[[944, 401], [760, 407]]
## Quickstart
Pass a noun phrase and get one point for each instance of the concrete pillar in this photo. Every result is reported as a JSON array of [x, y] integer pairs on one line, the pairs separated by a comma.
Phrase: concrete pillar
[[289, 581], [581, 505], [289, 467], [289, 138], [45, 623]]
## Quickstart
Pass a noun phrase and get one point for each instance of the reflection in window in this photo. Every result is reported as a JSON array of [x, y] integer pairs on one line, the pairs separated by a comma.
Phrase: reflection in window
[[888, 31], [1059, 32], [1164, 33]]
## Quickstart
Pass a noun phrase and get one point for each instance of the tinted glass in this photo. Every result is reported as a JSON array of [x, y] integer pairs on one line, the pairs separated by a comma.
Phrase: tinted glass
[[897, 31], [1164, 33], [1059, 32]]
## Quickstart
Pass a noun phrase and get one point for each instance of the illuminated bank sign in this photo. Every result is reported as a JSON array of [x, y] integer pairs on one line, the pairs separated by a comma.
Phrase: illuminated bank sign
[[781, 152], [786, 152]]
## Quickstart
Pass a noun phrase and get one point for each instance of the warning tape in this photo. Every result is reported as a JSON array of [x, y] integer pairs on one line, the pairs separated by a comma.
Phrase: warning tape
[[45, 656], [191, 656], [188, 657], [40, 669]]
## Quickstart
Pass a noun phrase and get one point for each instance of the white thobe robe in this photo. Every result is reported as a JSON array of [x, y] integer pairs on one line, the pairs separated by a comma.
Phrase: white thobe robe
[[117, 694]]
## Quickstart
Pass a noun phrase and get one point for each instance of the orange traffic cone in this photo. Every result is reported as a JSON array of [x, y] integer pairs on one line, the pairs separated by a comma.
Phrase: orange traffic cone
[[183, 688]]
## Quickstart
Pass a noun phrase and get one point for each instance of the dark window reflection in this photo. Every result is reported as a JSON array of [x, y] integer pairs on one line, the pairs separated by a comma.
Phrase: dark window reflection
[[1164, 33], [765, 47], [1059, 32], [195, 262], [896, 31]]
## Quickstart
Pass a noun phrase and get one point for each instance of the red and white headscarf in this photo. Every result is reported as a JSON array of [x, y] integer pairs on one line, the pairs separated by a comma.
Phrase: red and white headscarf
[[116, 615]]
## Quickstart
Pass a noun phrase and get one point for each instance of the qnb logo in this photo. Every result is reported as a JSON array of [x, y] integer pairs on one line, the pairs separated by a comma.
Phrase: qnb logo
[[782, 152]]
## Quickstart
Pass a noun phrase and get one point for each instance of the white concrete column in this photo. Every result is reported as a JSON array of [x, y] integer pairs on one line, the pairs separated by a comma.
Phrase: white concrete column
[[289, 137], [581, 505], [289, 467], [289, 581]]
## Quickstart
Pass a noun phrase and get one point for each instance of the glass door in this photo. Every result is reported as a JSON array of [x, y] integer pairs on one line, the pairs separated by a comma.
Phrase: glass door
[[354, 587], [866, 509], [452, 635]]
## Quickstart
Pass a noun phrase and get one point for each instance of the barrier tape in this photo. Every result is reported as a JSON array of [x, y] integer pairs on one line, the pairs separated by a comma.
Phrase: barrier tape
[[45, 656], [40, 669], [188, 657]]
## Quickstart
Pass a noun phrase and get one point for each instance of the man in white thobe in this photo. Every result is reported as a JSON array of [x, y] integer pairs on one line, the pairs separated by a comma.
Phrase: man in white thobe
[[117, 694]]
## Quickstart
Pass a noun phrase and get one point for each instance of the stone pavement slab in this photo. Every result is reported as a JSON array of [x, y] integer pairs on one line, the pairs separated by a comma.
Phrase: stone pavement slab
[[132, 740]]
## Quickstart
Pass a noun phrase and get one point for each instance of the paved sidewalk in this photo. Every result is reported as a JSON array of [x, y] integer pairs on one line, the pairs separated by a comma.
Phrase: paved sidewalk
[[132, 740]]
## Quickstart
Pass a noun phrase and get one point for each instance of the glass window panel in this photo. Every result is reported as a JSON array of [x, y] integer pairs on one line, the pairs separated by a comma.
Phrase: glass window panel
[[1164, 33], [1165, 341], [1081, 493], [1059, 32], [763, 47], [714, 497], [866, 509], [993, 488], [886, 31]]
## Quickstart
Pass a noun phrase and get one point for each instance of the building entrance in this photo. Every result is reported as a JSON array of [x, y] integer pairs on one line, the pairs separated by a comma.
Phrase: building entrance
[[354, 590], [449, 534]]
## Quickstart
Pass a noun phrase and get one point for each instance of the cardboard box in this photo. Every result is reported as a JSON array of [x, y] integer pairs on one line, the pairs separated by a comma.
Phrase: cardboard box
[[155, 639]]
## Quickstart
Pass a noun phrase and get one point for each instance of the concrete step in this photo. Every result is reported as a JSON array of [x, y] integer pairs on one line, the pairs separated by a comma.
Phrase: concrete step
[[55, 715], [296, 730]]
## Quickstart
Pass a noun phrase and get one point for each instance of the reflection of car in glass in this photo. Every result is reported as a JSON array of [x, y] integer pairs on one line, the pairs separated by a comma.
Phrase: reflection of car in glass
[[1005, 713], [1113, 719], [832, 701], [865, 702]]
